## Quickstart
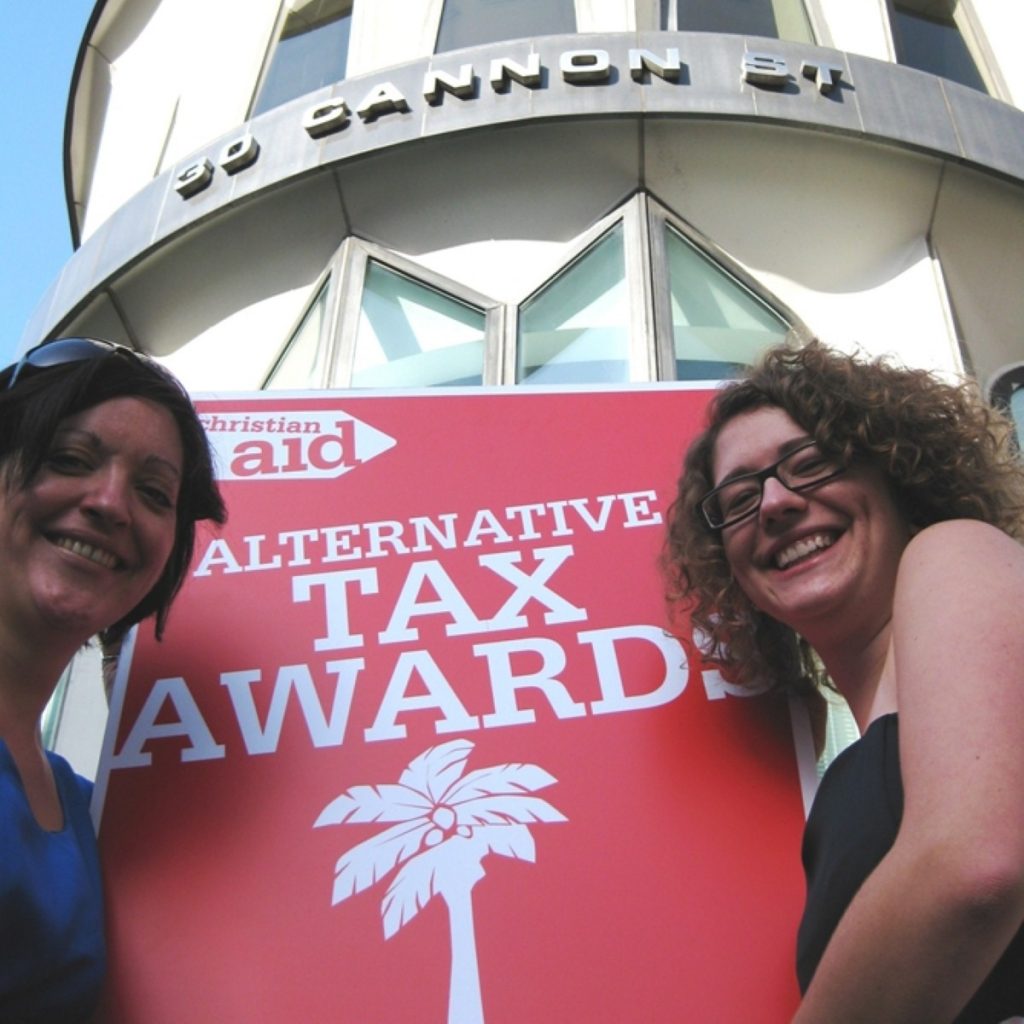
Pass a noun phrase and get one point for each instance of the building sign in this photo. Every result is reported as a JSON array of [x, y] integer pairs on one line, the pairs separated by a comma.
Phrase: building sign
[[417, 746], [592, 67]]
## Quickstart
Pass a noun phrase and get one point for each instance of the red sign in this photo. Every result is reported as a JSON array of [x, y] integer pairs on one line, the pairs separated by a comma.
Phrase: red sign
[[417, 747]]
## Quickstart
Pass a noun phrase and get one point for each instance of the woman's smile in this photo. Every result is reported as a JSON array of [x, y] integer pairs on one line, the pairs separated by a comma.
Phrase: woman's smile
[[802, 549], [90, 552]]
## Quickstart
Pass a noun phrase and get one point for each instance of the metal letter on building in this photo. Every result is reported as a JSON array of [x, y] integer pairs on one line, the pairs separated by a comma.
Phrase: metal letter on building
[[437, 83], [193, 179], [326, 119], [826, 76], [765, 69], [503, 70], [240, 153], [382, 99], [585, 66], [643, 60]]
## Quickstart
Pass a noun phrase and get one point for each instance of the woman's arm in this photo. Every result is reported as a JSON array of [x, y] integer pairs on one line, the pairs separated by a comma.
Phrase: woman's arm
[[930, 922]]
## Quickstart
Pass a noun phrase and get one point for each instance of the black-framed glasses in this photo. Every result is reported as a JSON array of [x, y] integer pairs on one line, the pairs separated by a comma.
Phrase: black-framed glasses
[[739, 498], [68, 350]]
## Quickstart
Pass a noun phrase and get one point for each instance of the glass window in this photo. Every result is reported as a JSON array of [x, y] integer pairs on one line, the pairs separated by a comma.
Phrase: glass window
[[473, 22], [575, 330], [311, 51], [411, 335], [777, 19], [1007, 391], [1017, 412], [301, 365], [927, 38], [718, 325], [840, 729], [633, 299]]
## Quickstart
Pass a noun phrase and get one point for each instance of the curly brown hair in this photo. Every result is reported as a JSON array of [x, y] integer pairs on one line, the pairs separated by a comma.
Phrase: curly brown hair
[[945, 453]]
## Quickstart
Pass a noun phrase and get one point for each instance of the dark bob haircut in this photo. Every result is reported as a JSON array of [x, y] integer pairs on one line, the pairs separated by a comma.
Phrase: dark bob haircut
[[945, 453], [41, 398]]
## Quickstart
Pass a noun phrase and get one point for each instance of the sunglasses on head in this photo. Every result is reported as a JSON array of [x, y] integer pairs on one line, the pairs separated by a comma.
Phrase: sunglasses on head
[[68, 350]]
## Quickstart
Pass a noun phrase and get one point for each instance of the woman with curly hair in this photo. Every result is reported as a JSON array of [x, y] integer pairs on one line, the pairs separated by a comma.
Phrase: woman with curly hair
[[857, 525]]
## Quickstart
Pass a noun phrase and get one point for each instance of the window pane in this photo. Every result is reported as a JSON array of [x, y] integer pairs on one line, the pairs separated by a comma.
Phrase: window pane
[[1017, 412], [777, 19], [932, 42], [411, 335], [472, 22], [718, 326], [1006, 392], [575, 331], [312, 51], [301, 366]]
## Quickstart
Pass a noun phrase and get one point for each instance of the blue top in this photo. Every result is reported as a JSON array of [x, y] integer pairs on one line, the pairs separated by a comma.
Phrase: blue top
[[853, 823], [52, 950]]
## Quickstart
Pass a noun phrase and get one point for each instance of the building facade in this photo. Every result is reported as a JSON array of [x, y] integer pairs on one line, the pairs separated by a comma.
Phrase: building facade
[[420, 193]]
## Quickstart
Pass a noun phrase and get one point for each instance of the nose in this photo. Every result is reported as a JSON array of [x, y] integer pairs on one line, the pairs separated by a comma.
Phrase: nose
[[108, 497], [778, 501]]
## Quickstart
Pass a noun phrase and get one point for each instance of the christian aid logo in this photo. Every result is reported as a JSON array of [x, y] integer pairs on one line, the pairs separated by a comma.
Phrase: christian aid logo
[[296, 445]]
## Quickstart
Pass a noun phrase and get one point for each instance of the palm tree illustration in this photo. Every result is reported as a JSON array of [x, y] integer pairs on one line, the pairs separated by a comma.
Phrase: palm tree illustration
[[443, 823]]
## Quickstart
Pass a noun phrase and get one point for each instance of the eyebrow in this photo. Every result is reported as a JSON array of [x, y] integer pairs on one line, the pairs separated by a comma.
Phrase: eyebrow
[[98, 444], [784, 449]]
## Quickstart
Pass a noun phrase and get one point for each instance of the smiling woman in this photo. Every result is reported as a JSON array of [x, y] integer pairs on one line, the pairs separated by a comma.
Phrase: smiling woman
[[863, 521], [104, 472], [89, 535]]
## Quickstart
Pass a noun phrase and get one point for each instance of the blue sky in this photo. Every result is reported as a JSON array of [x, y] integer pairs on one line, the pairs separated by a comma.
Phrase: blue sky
[[38, 46]]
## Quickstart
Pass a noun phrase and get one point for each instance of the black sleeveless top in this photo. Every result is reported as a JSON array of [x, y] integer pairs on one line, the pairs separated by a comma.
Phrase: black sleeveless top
[[852, 824]]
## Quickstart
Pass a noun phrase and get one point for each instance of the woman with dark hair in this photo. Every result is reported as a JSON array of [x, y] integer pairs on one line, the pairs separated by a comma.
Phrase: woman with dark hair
[[104, 472], [858, 525]]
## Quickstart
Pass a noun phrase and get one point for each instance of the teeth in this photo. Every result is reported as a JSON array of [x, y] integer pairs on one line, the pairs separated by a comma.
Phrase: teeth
[[97, 555], [802, 548]]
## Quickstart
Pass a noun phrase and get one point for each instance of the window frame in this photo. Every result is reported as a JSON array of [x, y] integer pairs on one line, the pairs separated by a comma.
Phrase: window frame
[[659, 218], [345, 277], [966, 20], [360, 254], [1004, 383], [576, 7], [324, 284], [283, 11], [638, 267], [668, 12], [651, 344]]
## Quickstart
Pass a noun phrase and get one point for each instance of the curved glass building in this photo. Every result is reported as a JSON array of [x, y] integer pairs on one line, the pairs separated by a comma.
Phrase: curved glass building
[[417, 193]]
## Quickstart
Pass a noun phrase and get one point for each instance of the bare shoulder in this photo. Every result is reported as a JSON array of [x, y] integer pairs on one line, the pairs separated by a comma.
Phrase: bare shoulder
[[961, 546], [961, 581]]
